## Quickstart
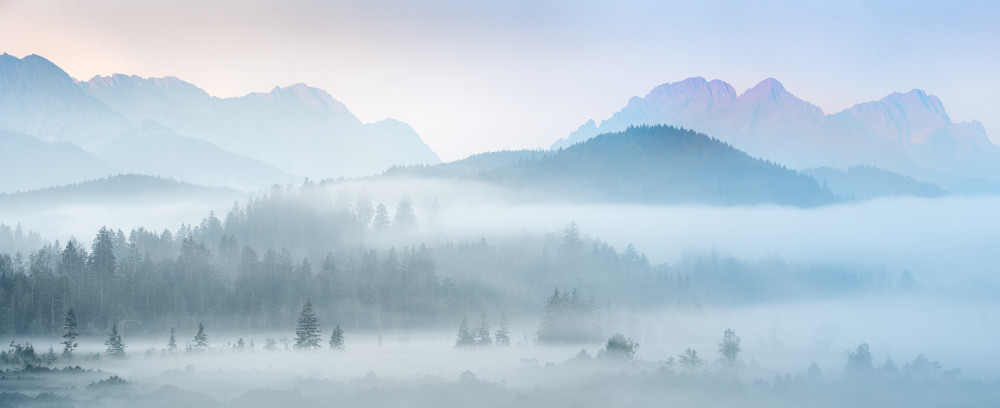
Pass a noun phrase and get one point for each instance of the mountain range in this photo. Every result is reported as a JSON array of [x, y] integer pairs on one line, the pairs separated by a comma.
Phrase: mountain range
[[909, 133], [144, 125]]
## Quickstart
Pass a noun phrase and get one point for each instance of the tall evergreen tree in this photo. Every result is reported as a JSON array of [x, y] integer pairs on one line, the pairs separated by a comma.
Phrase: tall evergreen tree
[[200, 338], [115, 343], [381, 221], [172, 342], [363, 211], [465, 337], [307, 332], [73, 259], [337, 339], [482, 334], [69, 335], [502, 336], [102, 255], [406, 219]]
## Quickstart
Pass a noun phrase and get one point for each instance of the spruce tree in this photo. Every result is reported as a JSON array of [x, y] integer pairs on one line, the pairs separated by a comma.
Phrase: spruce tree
[[502, 336], [116, 346], [482, 334], [405, 219], [465, 337], [70, 334], [172, 342], [200, 338], [381, 221], [307, 332], [337, 339]]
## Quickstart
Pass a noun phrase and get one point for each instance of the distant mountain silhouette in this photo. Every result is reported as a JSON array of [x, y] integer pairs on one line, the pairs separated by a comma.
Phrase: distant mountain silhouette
[[114, 189], [299, 129], [27, 163], [909, 133], [38, 98], [156, 149], [865, 182]]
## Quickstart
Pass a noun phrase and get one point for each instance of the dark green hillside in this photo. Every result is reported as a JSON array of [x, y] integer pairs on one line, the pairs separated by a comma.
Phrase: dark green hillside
[[660, 165]]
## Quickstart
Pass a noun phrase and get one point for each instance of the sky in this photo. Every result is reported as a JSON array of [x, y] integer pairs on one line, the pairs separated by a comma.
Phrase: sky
[[473, 76]]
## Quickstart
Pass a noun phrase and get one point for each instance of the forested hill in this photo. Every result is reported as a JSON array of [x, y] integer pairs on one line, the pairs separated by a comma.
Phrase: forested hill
[[116, 187], [471, 166], [659, 165]]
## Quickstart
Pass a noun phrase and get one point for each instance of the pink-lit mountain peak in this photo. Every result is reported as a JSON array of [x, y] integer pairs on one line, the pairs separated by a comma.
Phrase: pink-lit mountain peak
[[770, 96], [912, 116], [768, 90], [693, 89]]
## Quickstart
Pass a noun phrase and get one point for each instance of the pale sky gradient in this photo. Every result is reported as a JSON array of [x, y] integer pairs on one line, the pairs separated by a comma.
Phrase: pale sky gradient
[[471, 76]]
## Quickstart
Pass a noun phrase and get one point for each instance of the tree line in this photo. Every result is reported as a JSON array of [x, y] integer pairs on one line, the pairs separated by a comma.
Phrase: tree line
[[252, 269]]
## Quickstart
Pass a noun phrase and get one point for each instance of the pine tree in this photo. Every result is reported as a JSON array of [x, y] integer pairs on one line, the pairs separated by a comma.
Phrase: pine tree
[[406, 219], [307, 332], [482, 334], [381, 221], [465, 337], [70, 335], [172, 342], [363, 211], [502, 336], [337, 339], [200, 338], [102, 257], [116, 346]]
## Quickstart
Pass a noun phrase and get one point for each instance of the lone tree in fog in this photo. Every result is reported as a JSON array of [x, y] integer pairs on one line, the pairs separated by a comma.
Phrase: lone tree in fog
[[172, 342], [406, 219], [337, 339], [729, 348], [363, 211], [307, 330], [502, 336], [116, 346], [859, 361], [482, 335], [620, 347], [200, 338], [381, 220], [70, 334], [690, 359], [465, 337]]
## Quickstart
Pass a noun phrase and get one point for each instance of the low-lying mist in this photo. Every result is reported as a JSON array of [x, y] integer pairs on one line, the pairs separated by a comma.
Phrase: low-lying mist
[[937, 347], [947, 240], [910, 282]]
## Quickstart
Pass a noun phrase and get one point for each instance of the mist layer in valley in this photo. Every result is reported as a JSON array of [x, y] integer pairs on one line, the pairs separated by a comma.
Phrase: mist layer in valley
[[857, 303]]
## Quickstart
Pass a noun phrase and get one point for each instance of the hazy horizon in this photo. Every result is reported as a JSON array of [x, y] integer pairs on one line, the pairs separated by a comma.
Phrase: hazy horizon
[[523, 74]]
